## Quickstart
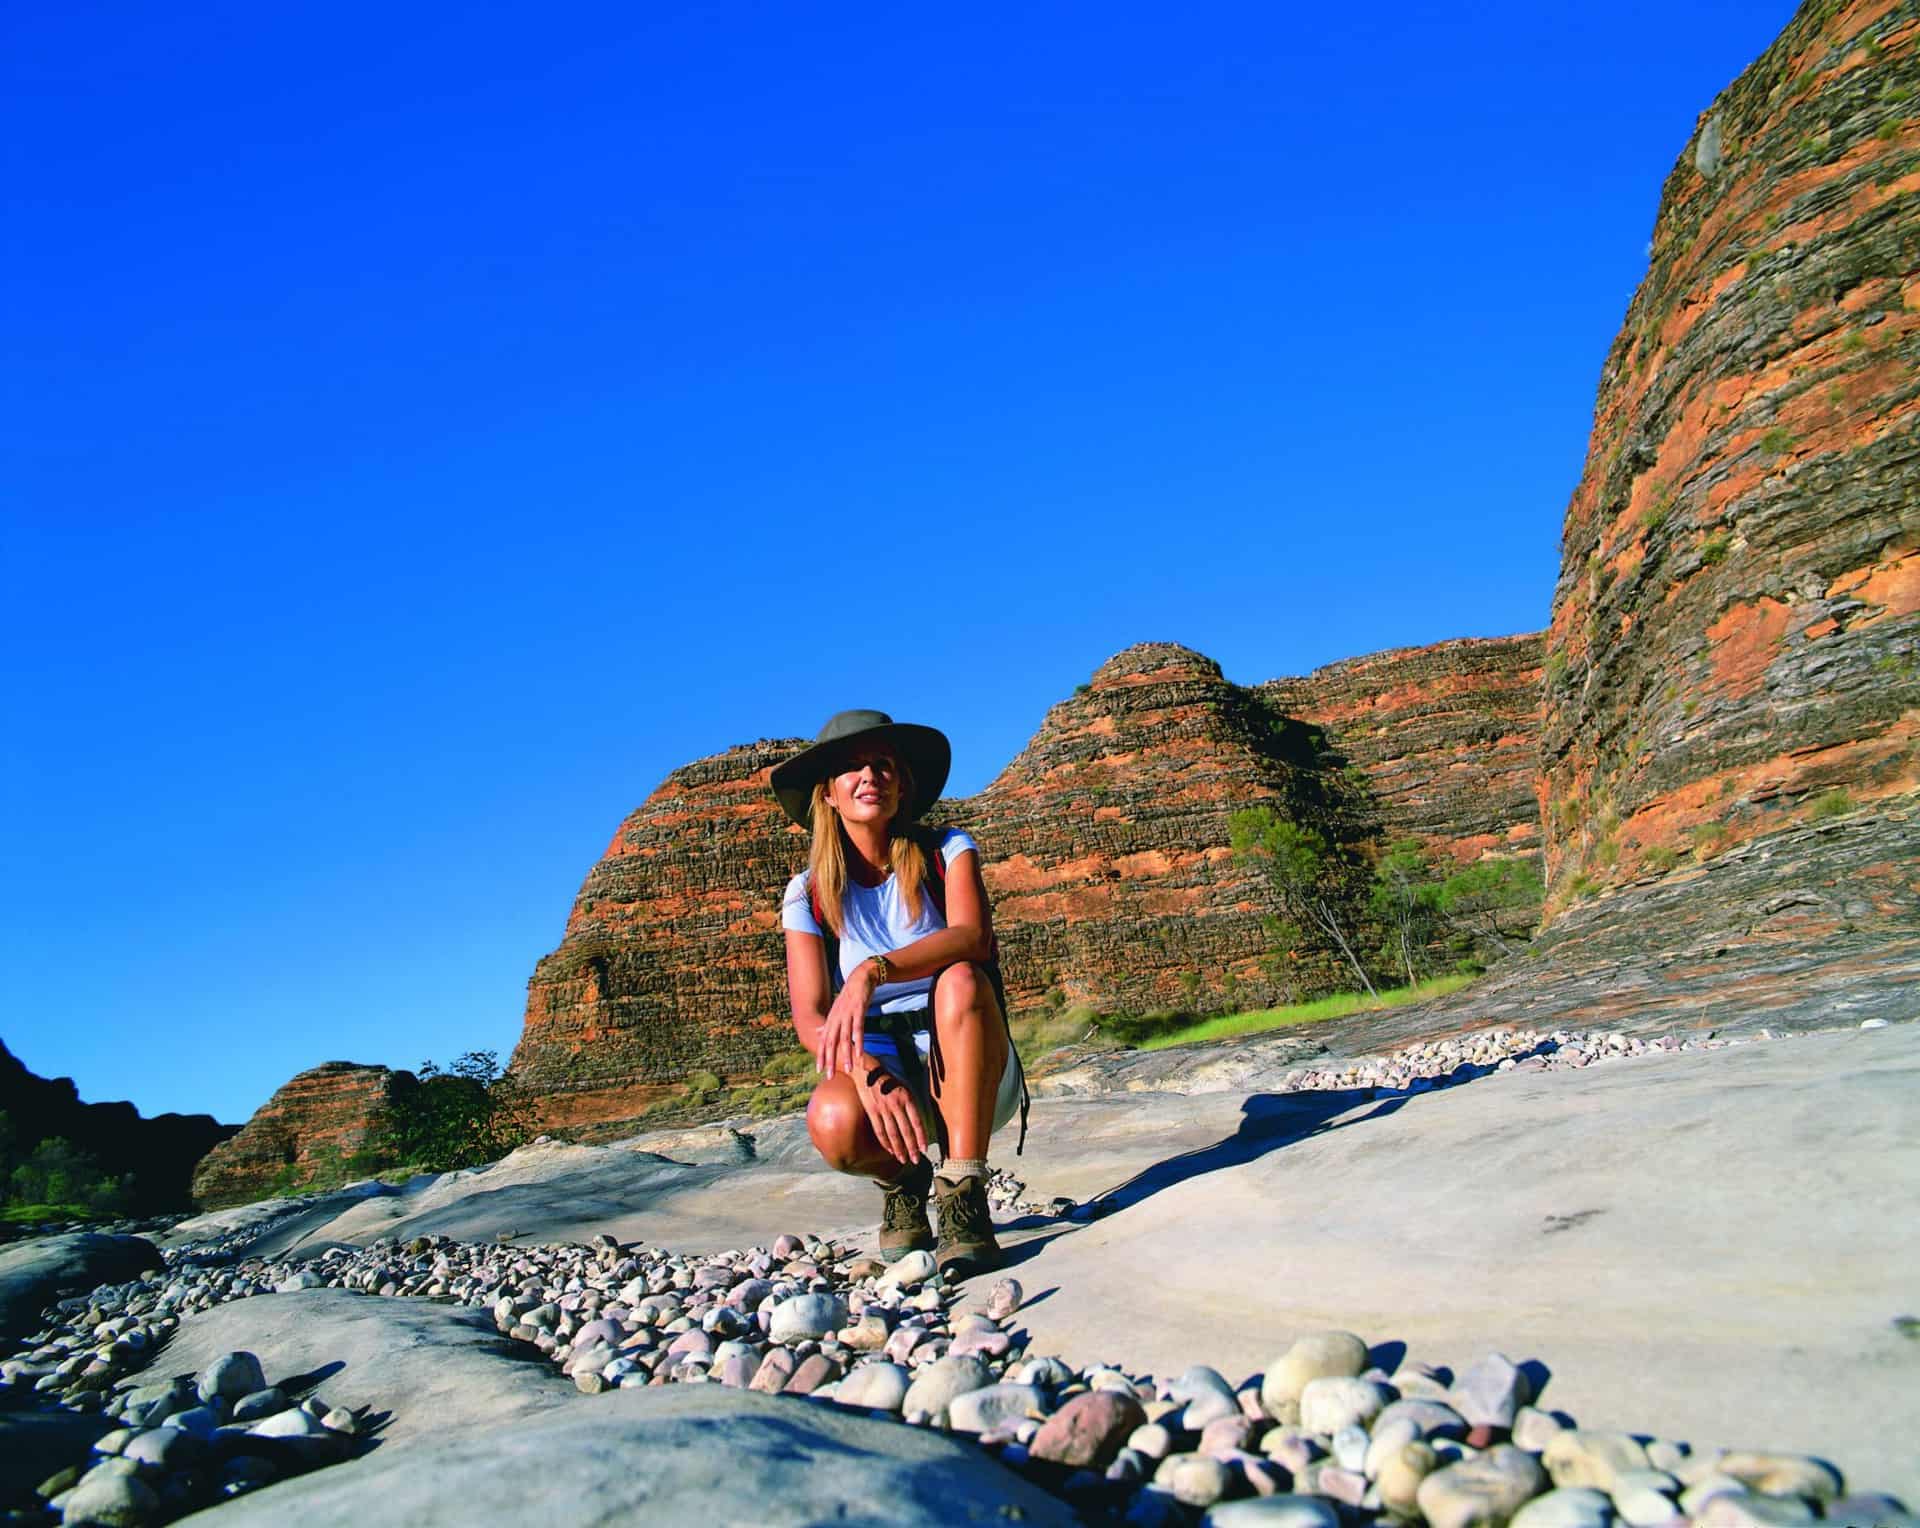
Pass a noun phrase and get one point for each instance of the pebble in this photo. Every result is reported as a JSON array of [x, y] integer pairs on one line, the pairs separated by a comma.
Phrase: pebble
[[941, 1381], [1586, 1458], [1004, 1299], [1195, 1480], [1482, 1492], [1329, 1405], [113, 1498], [1432, 1419], [877, 1386], [805, 1316], [1205, 1395], [1399, 1474], [1273, 1512], [1320, 1355], [1782, 1474], [1572, 1507], [1491, 1392], [1089, 1430], [1533, 1429], [992, 1406], [231, 1377], [1747, 1511], [913, 1269]]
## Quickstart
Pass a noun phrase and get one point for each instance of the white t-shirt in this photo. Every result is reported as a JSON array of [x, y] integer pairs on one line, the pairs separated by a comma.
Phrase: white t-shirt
[[874, 921]]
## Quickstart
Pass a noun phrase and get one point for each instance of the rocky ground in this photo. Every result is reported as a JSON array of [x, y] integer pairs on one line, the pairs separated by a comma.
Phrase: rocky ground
[[1169, 1358]]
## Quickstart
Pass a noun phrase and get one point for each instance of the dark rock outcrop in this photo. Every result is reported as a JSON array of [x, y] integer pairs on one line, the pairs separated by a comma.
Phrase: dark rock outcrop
[[1735, 645], [313, 1128], [35, 1274], [155, 1157]]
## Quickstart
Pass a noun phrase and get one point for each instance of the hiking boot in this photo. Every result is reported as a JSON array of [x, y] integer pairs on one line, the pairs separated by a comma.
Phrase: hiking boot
[[966, 1245], [903, 1218]]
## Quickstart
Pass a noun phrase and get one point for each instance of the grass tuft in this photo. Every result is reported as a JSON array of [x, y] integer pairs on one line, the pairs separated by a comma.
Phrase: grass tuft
[[1230, 1026]]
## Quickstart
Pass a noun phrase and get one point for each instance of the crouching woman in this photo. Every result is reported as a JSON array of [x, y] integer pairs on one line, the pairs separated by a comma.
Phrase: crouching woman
[[892, 975]]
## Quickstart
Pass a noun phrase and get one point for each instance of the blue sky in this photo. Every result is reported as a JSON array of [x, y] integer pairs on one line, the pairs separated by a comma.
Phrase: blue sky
[[426, 426]]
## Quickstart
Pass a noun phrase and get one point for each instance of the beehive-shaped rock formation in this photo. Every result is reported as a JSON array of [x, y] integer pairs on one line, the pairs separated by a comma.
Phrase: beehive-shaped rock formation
[[315, 1125], [1735, 646]]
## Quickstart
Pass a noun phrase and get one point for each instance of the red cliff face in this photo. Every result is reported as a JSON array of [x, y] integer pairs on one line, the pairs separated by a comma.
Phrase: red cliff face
[[1105, 848], [1447, 736], [672, 960], [1735, 645], [312, 1127]]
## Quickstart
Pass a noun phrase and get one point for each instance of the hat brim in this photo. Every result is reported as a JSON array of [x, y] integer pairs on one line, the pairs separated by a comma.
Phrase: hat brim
[[925, 751]]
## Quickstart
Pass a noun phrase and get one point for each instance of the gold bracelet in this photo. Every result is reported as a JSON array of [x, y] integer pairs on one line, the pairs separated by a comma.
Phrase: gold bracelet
[[886, 971]]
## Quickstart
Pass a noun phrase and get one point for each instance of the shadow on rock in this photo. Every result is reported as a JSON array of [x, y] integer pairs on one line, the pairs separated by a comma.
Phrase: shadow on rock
[[1269, 1122]]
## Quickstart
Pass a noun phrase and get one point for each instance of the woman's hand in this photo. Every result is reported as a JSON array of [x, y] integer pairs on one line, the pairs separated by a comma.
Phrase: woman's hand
[[891, 1111], [843, 1037]]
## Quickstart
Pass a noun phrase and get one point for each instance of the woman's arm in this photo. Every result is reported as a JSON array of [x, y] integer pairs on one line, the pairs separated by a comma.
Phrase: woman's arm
[[967, 936], [807, 987]]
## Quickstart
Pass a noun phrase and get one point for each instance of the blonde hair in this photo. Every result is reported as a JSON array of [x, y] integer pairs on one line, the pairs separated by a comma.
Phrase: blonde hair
[[827, 860]]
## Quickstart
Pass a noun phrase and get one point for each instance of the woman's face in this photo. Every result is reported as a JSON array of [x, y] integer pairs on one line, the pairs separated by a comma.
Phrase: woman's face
[[866, 786]]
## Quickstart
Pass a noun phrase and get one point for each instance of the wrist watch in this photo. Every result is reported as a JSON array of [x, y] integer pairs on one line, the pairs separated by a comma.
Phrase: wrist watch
[[885, 971]]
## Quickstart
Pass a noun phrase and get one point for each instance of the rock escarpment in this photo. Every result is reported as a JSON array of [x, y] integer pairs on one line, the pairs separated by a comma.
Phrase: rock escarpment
[[1105, 845], [1735, 644], [155, 1156], [672, 960], [316, 1126], [1447, 738]]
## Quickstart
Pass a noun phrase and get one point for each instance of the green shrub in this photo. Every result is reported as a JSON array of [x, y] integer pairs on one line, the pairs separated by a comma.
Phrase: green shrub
[[1777, 441], [462, 1116], [701, 1082], [1833, 803], [1661, 857], [1709, 838], [1714, 549]]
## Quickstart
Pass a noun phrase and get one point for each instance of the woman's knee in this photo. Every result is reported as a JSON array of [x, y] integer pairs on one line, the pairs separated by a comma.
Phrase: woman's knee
[[834, 1117], [962, 988]]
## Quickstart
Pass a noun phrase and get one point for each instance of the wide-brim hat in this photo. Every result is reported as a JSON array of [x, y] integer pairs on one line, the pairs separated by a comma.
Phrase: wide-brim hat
[[924, 750]]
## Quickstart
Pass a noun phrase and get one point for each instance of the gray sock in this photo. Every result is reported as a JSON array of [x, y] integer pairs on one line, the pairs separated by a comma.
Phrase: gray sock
[[955, 1168]]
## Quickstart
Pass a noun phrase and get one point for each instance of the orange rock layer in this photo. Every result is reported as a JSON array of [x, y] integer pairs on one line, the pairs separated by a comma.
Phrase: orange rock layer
[[1735, 644]]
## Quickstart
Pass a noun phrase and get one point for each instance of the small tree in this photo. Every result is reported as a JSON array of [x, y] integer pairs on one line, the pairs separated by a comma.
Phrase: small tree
[[1405, 900], [1497, 899], [1304, 871], [462, 1116]]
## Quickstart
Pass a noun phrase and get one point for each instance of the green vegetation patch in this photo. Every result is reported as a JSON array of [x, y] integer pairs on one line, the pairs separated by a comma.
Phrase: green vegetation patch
[[1233, 1025]]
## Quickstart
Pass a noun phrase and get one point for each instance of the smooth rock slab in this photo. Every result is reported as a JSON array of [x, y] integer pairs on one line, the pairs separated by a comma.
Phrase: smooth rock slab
[[35, 1444], [675, 1454]]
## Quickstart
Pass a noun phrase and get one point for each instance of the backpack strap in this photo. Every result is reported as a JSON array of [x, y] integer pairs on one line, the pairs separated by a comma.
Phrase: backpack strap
[[936, 885]]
